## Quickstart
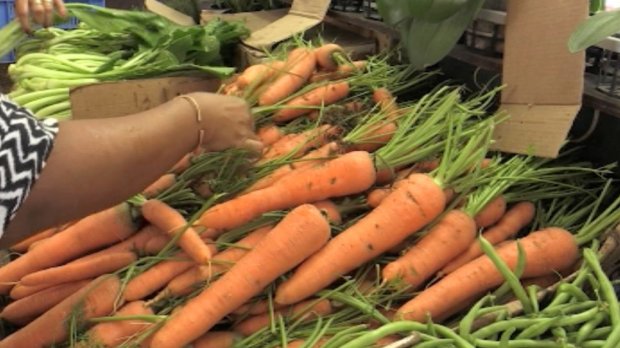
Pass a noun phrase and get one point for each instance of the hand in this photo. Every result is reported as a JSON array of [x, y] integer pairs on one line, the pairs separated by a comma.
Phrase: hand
[[42, 12], [227, 122]]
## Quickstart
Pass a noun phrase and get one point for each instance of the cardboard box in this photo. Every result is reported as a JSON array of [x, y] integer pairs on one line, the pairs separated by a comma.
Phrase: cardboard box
[[114, 99], [269, 28], [544, 81]]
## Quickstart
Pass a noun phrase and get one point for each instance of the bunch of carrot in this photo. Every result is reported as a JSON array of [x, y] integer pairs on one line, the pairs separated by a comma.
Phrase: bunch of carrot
[[360, 212]]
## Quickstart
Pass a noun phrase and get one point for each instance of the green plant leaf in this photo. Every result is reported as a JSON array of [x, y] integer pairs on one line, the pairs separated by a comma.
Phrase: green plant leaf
[[417, 8], [429, 42], [441, 9], [594, 30], [393, 12], [597, 6]]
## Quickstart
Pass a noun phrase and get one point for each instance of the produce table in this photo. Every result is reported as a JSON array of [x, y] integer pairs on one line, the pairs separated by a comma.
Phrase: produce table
[[376, 216]]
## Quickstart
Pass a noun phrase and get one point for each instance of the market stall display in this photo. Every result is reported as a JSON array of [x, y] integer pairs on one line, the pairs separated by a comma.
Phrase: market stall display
[[365, 219], [377, 215]]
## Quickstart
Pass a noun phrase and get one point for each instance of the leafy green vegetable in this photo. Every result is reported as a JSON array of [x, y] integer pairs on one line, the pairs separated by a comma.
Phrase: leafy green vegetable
[[594, 30], [10, 35], [111, 45]]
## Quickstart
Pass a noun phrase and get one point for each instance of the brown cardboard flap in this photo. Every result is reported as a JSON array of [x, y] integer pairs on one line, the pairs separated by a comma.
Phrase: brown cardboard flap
[[311, 9], [302, 16], [538, 68], [170, 13], [540, 130], [116, 99], [544, 81]]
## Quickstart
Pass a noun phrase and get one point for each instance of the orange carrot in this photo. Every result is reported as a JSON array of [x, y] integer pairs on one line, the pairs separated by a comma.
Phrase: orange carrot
[[402, 213], [269, 134], [20, 291], [298, 144], [486, 163], [376, 196], [156, 244], [491, 213], [326, 56], [156, 277], [115, 333], [305, 310], [23, 246], [313, 115], [387, 175], [386, 101], [160, 185], [348, 174], [24, 310], [299, 66], [172, 222], [547, 280], [94, 300], [312, 158], [93, 232], [258, 74], [322, 95], [137, 243], [254, 74], [331, 210], [514, 220], [354, 106], [186, 282], [377, 136], [448, 238], [216, 339], [343, 71], [231, 88], [184, 163], [90, 268], [257, 307], [545, 251], [301, 233]]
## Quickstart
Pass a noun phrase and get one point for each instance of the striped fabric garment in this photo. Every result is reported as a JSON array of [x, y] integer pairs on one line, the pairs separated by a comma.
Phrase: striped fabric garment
[[25, 144]]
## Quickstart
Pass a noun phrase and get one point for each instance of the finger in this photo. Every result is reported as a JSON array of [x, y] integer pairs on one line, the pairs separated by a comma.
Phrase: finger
[[23, 15], [38, 11], [59, 5], [48, 14], [254, 146]]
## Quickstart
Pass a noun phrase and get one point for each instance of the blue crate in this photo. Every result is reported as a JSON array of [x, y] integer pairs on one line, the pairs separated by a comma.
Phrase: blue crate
[[7, 14]]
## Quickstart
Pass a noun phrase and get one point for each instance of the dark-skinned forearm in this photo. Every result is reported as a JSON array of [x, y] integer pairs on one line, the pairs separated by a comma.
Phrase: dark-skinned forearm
[[98, 163]]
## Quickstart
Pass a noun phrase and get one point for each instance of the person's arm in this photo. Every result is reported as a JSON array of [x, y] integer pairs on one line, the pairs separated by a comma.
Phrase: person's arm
[[98, 163], [41, 11]]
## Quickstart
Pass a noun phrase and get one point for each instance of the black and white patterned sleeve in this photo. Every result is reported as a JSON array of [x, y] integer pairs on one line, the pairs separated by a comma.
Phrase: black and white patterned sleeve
[[25, 144]]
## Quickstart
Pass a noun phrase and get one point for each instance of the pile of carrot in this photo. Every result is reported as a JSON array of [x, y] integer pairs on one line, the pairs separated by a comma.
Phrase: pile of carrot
[[365, 218]]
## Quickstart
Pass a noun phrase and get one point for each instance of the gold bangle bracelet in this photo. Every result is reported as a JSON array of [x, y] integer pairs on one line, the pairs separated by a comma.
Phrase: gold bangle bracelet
[[201, 133]]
